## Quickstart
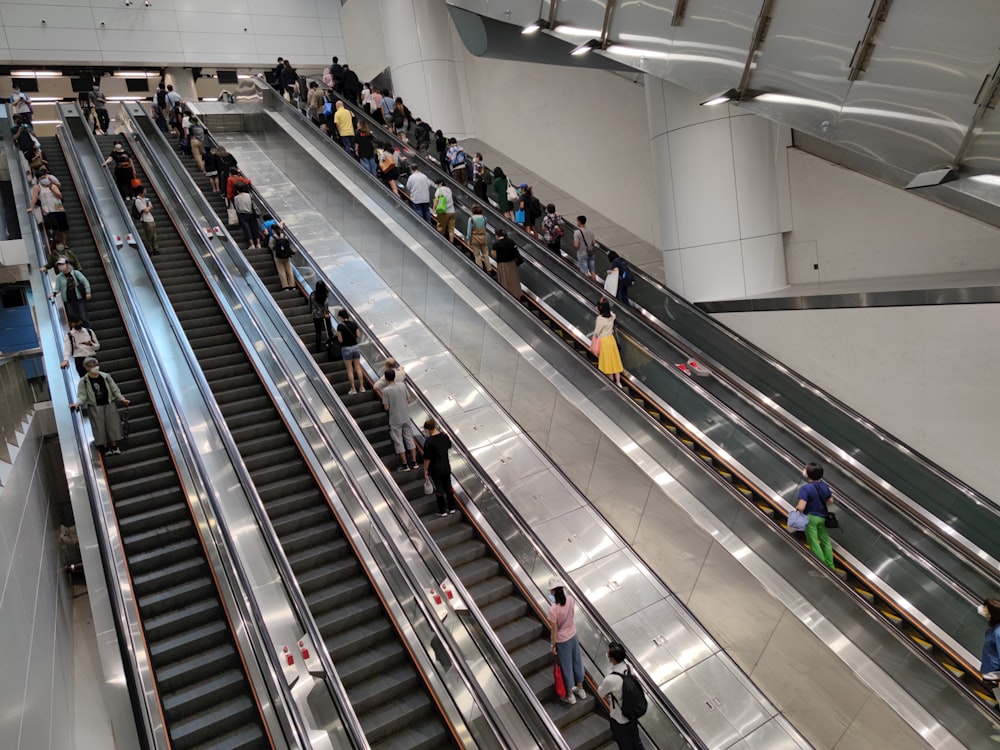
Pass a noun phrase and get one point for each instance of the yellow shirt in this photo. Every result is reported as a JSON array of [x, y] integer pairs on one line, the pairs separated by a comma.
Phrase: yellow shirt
[[343, 121]]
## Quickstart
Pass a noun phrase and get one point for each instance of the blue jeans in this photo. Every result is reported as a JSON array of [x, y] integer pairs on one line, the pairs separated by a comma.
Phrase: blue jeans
[[585, 262], [348, 141], [424, 210], [570, 662], [368, 162]]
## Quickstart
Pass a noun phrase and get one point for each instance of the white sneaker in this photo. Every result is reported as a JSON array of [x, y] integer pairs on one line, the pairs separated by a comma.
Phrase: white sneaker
[[570, 699], [362, 390], [352, 392], [580, 693]]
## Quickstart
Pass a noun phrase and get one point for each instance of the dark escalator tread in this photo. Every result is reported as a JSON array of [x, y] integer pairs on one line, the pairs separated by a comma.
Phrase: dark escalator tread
[[349, 614], [225, 717], [162, 548]]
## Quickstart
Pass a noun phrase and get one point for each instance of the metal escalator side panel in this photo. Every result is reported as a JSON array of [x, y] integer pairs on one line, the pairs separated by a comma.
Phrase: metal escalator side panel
[[159, 618]]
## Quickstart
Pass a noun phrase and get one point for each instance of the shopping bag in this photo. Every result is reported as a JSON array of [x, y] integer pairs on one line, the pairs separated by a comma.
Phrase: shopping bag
[[428, 486], [558, 676], [595, 346], [797, 520], [232, 219], [519, 216], [611, 282]]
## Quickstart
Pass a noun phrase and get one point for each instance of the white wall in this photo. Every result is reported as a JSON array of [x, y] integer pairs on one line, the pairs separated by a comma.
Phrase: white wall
[[364, 39], [36, 693], [856, 227], [584, 131], [925, 374], [179, 32]]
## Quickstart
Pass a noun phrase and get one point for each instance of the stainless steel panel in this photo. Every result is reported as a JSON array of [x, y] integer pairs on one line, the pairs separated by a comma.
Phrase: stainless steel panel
[[664, 640]]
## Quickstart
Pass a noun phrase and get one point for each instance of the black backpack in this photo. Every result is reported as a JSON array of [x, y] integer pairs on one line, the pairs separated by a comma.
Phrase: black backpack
[[136, 211], [634, 702], [283, 248], [161, 98]]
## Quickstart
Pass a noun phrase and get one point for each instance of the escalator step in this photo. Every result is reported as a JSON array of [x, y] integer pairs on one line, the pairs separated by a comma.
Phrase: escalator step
[[221, 718], [891, 616], [865, 593], [922, 642]]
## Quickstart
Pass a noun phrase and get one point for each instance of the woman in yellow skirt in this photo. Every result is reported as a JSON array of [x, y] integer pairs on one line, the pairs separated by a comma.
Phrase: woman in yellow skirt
[[609, 361]]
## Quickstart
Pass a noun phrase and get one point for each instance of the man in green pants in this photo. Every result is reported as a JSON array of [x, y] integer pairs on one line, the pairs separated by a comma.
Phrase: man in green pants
[[814, 495]]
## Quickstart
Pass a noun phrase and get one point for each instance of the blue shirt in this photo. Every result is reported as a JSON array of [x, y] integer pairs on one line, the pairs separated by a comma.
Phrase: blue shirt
[[991, 651], [268, 226], [815, 494]]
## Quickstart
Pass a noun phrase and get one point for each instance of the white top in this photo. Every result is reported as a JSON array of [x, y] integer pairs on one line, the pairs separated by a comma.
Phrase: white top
[[449, 201], [82, 343], [611, 688], [141, 204], [604, 326]]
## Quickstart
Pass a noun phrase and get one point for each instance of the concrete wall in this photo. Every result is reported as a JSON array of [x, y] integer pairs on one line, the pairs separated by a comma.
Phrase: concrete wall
[[364, 38], [925, 374], [584, 131], [179, 32], [856, 227], [36, 694]]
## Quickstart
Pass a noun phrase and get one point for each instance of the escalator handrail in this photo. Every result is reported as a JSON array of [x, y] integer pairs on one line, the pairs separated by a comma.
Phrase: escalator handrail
[[868, 476], [358, 497], [305, 621], [117, 583], [604, 627], [147, 355], [944, 639], [972, 553]]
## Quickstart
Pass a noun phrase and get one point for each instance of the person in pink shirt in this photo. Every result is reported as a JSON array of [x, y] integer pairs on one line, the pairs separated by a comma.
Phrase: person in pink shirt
[[565, 643]]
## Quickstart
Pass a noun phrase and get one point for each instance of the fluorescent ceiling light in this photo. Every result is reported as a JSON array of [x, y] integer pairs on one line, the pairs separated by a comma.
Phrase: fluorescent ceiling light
[[986, 179], [533, 28], [35, 73], [45, 100], [577, 31], [626, 51], [45, 122], [731, 95], [583, 49], [134, 74], [243, 77], [125, 98]]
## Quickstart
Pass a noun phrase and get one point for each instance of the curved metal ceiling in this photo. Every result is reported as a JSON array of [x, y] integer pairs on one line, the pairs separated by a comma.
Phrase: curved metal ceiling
[[893, 89]]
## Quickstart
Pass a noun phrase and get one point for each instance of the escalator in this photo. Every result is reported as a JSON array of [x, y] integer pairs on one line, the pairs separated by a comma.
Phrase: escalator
[[923, 589], [386, 690], [206, 699], [510, 611]]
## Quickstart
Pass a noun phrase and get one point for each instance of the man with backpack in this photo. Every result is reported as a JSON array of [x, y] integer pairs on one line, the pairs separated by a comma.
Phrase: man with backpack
[[456, 161], [626, 700]]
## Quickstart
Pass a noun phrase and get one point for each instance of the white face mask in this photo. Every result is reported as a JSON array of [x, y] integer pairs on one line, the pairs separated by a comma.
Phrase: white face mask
[[983, 611], [551, 598], [95, 369]]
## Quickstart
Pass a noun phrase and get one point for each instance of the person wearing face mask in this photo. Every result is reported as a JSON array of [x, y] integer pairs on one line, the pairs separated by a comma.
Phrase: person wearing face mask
[[81, 342], [101, 395], [48, 196], [990, 667], [52, 261], [74, 289]]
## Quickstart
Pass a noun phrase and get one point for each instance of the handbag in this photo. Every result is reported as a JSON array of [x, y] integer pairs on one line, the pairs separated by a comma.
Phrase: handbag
[[611, 282], [558, 676], [441, 204], [831, 521], [797, 520], [519, 216], [595, 346], [428, 486], [232, 218], [511, 191]]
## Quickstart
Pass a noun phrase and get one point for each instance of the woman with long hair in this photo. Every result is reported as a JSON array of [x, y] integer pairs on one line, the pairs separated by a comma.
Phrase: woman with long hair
[[565, 642], [609, 360]]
